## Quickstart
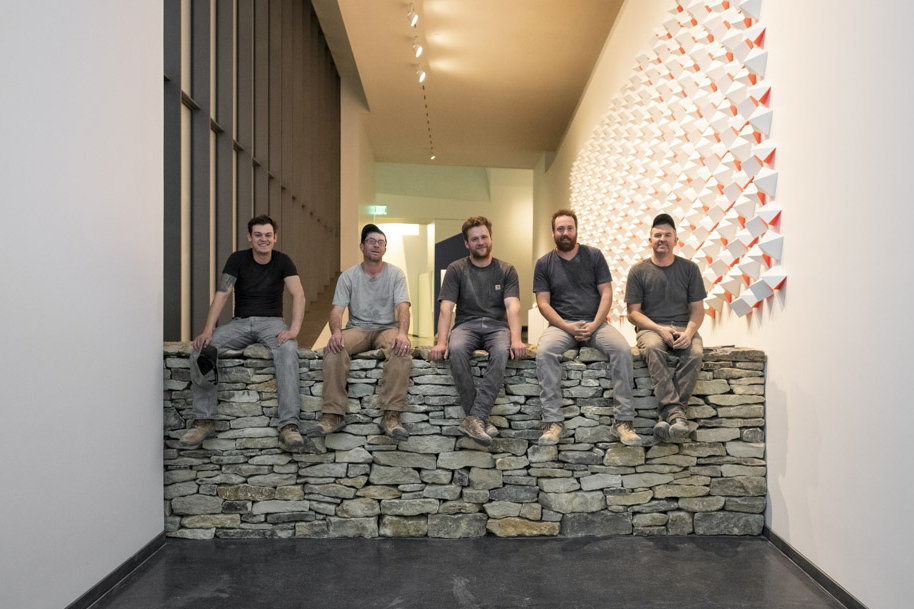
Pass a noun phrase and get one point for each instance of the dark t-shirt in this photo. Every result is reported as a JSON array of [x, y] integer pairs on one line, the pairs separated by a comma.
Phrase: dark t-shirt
[[258, 287], [572, 284], [479, 292], [664, 292]]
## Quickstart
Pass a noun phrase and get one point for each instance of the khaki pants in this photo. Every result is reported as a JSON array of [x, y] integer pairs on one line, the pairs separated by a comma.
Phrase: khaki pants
[[394, 383], [672, 390]]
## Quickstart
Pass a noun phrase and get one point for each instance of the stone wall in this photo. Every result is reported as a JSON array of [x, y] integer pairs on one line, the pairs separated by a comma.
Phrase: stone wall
[[359, 483]]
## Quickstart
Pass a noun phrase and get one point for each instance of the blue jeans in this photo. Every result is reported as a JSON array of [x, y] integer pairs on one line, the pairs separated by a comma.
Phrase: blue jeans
[[555, 341], [238, 334], [494, 337]]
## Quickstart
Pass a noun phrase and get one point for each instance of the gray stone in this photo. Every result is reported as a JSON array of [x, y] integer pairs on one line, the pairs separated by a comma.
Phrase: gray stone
[[751, 505], [485, 479], [181, 489], [599, 524], [457, 526], [343, 441], [403, 526], [520, 527], [407, 459], [272, 480], [599, 481], [665, 491], [502, 509], [445, 492], [558, 485], [700, 412], [581, 501], [211, 521], [746, 449], [465, 458], [654, 506], [542, 454], [679, 523], [324, 470], [711, 387], [356, 455], [723, 434], [515, 446], [735, 400], [701, 504], [728, 523], [509, 463], [352, 527], [273, 507], [650, 520], [409, 507], [581, 457], [471, 495], [336, 491], [729, 470], [645, 480], [753, 435], [592, 435], [314, 530], [381, 474], [379, 492], [192, 533], [516, 493], [745, 486], [178, 475], [619, 454], [196, 504], [363, 507], [742, 412], [270, 460]]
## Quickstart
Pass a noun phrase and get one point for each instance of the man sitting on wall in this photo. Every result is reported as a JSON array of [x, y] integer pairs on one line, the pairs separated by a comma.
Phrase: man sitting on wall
[[257, 276], [573, 288], [376, 294], [665, 295], [486, 293]]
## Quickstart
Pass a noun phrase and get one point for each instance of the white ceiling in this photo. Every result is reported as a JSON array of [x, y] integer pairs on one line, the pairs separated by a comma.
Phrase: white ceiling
[[504, 76]]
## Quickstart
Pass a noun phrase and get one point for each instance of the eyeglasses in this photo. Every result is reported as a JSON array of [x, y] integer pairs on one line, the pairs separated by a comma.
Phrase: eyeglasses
[[373, 241]]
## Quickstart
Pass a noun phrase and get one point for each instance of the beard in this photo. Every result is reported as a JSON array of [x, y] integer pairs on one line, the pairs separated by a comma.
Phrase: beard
[[480, 256], [566, 244]]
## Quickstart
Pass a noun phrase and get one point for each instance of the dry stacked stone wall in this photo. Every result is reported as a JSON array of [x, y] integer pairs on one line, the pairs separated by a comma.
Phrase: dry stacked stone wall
[[359, 483]]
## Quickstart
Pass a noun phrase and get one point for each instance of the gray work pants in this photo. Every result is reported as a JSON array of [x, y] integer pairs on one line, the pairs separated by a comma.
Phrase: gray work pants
[[494, 337], [672, 391], [608, 340], [238, 334]]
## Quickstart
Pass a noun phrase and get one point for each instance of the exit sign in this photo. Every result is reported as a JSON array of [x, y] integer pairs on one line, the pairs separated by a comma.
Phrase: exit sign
[[377, 210]]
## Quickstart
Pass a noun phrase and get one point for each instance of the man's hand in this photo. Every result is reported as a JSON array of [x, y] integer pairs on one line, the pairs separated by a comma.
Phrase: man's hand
[[518, 349], [203, 340], [284, 336], [668, 335], [439, 352], [681, 340], [336, 343], [402, 346], [586, 330]]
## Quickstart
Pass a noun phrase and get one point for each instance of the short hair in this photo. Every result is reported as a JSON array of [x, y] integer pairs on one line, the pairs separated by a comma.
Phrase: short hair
[[474, 222], [664, 219], [565, 212], [262, 219], [370, 228]]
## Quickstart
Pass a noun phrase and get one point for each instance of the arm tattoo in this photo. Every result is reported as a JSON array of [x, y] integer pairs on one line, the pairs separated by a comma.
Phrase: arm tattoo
[[226, 282]]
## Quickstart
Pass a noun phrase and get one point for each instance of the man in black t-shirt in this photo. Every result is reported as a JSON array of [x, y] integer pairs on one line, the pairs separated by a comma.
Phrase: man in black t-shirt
[[665, 297], [573, 290], [257, 276], [487, 297]]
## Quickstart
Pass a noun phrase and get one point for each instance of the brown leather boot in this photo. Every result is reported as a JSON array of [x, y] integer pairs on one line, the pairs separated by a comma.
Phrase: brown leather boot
[[552, 433], [328, 423], [290, 439], [391, 426], [625, 431], [202, 429], [473, 428]]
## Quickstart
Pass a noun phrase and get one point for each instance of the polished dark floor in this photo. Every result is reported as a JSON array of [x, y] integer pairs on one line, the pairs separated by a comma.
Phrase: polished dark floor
[[630, 572]]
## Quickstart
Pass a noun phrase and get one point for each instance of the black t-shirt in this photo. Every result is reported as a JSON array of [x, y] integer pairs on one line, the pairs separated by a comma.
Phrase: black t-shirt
[[664, 292], [258, 287], [479, 292], [572, 284]]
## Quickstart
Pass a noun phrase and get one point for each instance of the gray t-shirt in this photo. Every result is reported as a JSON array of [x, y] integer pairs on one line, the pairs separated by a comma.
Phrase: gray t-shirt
[[479, 292], [572, 284], [664, 292], [372, 301]]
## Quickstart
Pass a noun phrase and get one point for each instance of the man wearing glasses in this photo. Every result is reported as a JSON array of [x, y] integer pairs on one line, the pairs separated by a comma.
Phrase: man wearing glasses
[[378, 301]]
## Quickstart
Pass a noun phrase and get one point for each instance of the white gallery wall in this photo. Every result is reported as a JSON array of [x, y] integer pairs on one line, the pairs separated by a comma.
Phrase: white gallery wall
[[837, 336], [81, 167]]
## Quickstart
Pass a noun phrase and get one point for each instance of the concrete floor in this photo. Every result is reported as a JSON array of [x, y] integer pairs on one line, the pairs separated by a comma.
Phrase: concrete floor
[[599, 573]]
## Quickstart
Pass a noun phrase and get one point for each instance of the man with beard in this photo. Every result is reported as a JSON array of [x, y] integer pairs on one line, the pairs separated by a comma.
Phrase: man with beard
[[485, 291], [375, 293], [573, 289], [665, 296]]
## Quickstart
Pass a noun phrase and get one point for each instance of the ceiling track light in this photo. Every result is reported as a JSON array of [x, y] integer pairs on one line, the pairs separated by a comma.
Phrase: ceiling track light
[[420, 73], [413, 16], [417, 48]]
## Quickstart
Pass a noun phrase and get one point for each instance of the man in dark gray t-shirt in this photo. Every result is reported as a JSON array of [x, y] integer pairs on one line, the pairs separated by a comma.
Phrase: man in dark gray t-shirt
[[573, 289], [486, 294], [665, 297]]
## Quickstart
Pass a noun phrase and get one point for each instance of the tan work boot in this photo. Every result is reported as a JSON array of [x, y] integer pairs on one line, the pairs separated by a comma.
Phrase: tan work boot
[[552, 432], [290, 439], [491, 430], [679, 427], [391, 426], [202, 429], [625, 431], [328, 423], [472, 427]]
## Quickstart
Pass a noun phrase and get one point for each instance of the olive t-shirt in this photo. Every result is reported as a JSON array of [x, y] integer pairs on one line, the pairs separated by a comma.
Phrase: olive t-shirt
[[479, 292], [572, 284], [664, 292], [258, 287]]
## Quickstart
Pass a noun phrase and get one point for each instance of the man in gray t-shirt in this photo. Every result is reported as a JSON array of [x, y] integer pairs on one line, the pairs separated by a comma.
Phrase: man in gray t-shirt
[[665, 297], [486, 294], [573, 289], [375, 294]]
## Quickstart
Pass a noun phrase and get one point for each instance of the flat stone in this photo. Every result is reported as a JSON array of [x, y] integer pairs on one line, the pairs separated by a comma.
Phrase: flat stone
[[676, 460], [246, 492], [711, 387], [356, 455], [600, 481], [465, 458], [403, 526], [749, 389], [654, 506], [398, 459], [471, 495], [363, 507], [381, 474], [515, 446], [196, 504], [558, 485], [181, 489], [754, 411], [700, 412], [270, 459], [746, 449], [723, 434], [729, 470], [444, 492], [343, 441], [352, 527], [665, 491], [746, 486], [514, 492], [619, 454], [598, 524], [751, 505], [336, 491], [379, 492], [581, 457], [728, 523], [520, 527], [662, 450], [753, 435], [209, 521], [502, 509], [649, 520], [542, 454], [679, 523], [592, 435], [702, 449], [273, 507], [314, 530], [509, 463], [645, 480], [427, 444], [290, 493], [409, 507], [457, 526], [581, 501], [192, 533], [701, 504], [485, 479], [735, 400]]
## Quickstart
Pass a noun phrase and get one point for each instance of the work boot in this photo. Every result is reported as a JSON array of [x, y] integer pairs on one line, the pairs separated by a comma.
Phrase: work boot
[[491, 430], [472, 427], [625, 431], [391, 426], [202, 429], [662, 430], [552, 432], [290, 439], [328, 423], [679, 427]]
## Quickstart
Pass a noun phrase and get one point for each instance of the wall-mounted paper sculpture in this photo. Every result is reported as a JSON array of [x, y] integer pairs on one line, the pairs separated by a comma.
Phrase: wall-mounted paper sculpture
[[688, 135]]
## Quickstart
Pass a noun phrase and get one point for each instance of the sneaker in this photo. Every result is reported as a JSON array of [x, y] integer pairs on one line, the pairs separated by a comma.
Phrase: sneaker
[[472, 427], [625, 431], [552, 432], [491, 430], [328, 423], [290, 439], [391, 426], [679, 427], [662, 431], [202, 429]]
